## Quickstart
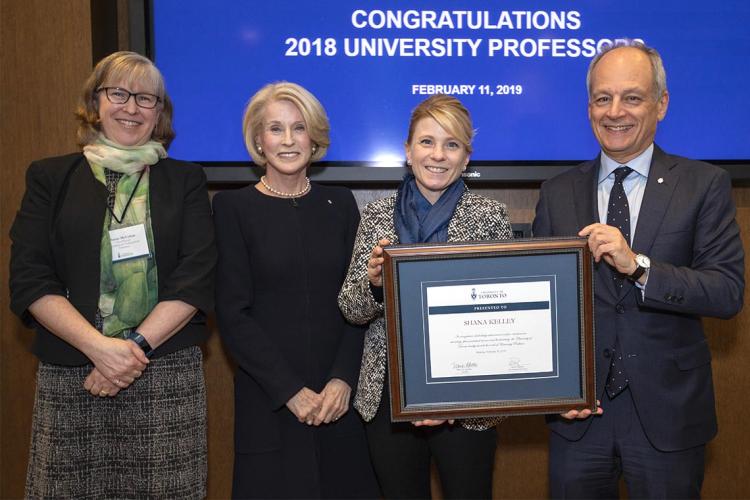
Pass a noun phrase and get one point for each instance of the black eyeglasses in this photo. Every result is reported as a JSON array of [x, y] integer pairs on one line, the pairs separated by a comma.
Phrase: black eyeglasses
[[116, 95]]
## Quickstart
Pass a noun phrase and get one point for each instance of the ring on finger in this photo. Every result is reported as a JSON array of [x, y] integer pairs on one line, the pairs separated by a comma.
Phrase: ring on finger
[[103, 393]]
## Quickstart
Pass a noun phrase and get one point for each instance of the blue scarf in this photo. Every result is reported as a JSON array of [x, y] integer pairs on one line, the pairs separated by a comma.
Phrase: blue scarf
[[416, 220]]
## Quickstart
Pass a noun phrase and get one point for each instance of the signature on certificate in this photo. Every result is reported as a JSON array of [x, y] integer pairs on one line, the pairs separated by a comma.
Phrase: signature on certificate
[[515, 365], [465, 366]]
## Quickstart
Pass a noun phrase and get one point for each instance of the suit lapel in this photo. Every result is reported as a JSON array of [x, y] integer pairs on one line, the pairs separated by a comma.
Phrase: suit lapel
[[659, 188], [90, 196], [584, 187], [97, 191], [662, 180], [80, 213], [457, 225], [159, 208]]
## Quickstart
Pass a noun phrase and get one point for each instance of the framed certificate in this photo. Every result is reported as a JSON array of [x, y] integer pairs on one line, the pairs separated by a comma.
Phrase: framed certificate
[[491, 328]]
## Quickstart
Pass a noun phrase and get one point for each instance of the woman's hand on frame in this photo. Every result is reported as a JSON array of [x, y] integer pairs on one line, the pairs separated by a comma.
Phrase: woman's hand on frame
[[375, 263]]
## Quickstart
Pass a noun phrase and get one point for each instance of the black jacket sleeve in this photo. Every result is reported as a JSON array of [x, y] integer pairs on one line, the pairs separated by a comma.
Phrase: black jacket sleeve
[[32, 266]]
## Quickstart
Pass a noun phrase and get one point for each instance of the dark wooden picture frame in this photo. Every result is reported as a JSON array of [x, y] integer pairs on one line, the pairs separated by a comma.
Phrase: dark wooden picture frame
[[566, 263]]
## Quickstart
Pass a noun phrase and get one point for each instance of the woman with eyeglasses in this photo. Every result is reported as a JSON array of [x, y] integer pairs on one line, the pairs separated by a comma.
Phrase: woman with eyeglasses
[[112, 264]]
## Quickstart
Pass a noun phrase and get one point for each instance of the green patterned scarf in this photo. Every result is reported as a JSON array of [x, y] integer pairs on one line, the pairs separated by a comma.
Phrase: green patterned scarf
[[128, 289]]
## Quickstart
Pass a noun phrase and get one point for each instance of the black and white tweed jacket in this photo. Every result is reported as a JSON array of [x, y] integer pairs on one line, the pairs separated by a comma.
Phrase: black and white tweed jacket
[[476, 218]]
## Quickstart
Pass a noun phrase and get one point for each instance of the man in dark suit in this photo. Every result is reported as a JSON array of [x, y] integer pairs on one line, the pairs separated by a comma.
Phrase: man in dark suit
[[667, 251]]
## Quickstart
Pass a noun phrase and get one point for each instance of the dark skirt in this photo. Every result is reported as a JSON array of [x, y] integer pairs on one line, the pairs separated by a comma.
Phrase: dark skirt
[[149, 441]]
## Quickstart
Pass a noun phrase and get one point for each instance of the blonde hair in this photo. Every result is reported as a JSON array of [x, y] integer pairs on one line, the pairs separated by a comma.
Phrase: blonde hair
[[127, 67], [450, 114], [309, 107]]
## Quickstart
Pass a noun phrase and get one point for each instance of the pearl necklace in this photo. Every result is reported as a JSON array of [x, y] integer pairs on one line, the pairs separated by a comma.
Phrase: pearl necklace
[[283, 194]]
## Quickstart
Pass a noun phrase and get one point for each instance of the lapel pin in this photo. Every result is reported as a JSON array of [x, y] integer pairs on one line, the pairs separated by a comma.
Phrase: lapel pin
[[660, 180]]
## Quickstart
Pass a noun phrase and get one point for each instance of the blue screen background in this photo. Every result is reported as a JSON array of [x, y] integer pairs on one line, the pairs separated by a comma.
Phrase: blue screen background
[[216, 55]]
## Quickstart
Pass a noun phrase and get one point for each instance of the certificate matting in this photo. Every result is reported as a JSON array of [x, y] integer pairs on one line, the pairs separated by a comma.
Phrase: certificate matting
[[494, 328]]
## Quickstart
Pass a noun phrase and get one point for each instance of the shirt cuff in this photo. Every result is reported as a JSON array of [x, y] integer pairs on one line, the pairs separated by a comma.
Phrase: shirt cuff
[[643, 286]]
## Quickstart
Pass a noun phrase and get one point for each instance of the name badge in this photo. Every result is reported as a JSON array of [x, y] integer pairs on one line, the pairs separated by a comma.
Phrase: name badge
[[128, 242]]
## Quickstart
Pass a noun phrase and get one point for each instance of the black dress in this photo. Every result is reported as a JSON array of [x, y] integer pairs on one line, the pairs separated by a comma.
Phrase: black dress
[[281, 265]]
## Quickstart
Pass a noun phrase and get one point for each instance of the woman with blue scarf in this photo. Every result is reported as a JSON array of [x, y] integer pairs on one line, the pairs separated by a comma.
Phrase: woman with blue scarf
[[432, 204]]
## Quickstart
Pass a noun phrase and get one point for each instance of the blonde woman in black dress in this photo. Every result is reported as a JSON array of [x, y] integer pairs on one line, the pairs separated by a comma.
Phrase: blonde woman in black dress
[[284, 247]]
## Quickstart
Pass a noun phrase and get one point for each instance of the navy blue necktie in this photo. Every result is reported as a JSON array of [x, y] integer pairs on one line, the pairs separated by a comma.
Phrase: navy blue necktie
[[618, 210], [618, 215]]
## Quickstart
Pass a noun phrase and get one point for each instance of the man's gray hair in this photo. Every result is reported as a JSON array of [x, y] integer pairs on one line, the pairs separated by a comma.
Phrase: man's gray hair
[[657, 67]]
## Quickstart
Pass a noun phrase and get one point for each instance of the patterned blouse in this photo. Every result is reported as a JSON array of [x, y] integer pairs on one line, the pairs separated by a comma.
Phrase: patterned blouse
[[476, 219]]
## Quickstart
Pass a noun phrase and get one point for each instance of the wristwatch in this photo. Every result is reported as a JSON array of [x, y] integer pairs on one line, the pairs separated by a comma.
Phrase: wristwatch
[[643, 263], [141, 342]]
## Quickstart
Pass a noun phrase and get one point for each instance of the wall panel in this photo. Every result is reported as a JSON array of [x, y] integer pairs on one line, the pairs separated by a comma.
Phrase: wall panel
[[45, 56]]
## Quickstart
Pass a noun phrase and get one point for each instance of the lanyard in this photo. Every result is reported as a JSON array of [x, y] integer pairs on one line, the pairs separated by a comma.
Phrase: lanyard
[[124, 210]]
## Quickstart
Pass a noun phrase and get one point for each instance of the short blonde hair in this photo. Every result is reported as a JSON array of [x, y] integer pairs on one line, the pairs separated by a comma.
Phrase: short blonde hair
[[449, 113], [309, 107], [128, 67]]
